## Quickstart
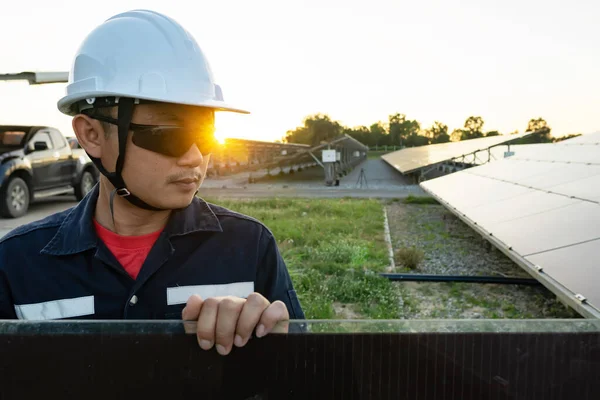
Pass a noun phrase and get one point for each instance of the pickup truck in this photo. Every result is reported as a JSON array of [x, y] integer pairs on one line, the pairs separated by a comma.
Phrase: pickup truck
[[38, 162]]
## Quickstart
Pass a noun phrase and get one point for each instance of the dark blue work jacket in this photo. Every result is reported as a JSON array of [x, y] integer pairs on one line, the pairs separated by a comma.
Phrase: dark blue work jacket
[[57, 268]]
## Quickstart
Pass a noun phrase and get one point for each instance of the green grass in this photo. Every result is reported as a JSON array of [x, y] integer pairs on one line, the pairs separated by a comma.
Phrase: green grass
[[333, 249], [372, 154], [419, 200]]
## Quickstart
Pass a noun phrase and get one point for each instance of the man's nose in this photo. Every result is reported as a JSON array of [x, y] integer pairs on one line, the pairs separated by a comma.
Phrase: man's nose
[[192, 158]]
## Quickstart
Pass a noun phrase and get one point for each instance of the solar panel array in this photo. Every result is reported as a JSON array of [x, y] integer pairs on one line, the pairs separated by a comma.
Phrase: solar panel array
[[497, 153], [413, 158], [541, 206], [590, 138]]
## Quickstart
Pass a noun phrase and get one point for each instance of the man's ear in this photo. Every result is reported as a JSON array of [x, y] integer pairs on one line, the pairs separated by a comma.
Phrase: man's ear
[[90, 134]]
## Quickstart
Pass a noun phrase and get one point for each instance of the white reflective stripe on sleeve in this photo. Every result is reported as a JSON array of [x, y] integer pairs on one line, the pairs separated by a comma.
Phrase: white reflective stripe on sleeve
[[56, 309], [181, 294]]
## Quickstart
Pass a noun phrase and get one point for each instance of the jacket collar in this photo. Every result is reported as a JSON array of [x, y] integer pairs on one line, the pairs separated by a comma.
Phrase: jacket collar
[[77, 234]]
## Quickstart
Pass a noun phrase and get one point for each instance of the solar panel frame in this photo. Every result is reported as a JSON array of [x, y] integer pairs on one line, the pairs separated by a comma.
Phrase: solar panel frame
[[414, 158]]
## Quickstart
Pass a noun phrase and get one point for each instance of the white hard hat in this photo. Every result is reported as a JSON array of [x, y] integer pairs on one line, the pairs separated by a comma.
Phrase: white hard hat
[[143, 55]]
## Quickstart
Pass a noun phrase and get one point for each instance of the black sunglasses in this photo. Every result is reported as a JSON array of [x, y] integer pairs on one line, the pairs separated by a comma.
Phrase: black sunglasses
[[169, 140]]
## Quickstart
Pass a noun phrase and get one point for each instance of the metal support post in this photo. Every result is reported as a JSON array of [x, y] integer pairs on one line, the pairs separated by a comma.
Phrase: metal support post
[[316, 159], [329, 173]]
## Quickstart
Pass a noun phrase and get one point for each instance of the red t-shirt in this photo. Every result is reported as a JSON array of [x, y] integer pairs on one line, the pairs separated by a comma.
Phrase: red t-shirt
[[130, 251]]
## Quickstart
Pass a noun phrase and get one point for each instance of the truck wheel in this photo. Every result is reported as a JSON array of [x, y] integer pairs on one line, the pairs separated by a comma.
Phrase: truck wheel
[[15, 199], [86, 184]]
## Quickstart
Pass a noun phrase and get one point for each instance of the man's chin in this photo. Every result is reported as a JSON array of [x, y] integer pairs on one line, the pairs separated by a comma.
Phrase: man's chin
[[187, 200], [175, 202]]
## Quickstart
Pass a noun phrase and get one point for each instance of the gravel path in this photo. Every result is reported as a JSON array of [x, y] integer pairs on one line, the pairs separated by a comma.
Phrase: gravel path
[[379, 175], [383, 182], [452, 248]]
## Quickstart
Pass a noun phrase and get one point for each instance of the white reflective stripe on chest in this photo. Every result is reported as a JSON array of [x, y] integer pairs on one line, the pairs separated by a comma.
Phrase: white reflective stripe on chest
[[56, 309], [181, 294]]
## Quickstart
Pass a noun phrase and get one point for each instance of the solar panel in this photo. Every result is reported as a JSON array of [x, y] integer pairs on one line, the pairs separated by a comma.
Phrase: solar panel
[[587, 139], [578, 153], [540, 206], [413, 158], [469, 359], [557, 152]]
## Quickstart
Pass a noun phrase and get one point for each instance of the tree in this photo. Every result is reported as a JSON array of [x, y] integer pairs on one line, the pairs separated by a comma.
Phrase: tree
[[300, 135], [492, 133], [362, 134], [566, 137], [396, 134], [541, 132], [400, 129], [415, 140], [380, 134], [317, 128], [456, 135], [438, 133], [537, 125], [442, 138], [473, 128]]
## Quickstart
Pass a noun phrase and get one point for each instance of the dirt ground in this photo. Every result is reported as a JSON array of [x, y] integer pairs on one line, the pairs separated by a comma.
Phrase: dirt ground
[[450, 247]]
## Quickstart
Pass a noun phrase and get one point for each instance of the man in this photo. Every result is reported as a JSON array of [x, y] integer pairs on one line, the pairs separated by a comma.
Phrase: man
[[141, 245]]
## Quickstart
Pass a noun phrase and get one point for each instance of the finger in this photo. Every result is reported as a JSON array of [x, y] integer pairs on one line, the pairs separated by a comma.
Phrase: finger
[[281, 327], [227, 318], [205, 329], [190, 312], [275, 313], [254, 306]]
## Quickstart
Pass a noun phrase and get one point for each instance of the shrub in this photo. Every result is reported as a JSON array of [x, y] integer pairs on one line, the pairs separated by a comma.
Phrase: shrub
[[410, 257]]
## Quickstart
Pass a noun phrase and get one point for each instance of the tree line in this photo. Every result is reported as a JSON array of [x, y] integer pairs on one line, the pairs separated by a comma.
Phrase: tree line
[[404, 132]]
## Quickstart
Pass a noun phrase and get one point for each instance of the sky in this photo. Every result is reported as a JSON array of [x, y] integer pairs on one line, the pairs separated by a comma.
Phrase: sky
[[357, 61]]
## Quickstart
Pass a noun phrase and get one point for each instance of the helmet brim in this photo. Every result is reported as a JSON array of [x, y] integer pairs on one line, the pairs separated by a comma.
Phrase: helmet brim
[[66, 104]]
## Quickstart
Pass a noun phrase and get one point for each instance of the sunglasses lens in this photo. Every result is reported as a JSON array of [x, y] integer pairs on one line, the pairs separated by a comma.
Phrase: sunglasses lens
[[173, 141]]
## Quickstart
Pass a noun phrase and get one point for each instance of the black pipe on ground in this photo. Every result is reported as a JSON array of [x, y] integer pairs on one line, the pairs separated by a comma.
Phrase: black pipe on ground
[[461, 278]]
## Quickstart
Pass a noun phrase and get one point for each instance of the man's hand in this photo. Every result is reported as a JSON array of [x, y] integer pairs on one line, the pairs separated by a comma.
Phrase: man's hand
[[226, 321]]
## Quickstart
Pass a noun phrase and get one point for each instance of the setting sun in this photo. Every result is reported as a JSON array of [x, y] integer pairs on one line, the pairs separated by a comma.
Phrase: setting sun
[[220, 136]]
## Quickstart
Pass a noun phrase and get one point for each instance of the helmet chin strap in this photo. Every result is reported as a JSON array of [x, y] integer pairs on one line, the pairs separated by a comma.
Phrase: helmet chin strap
[[125, 107]]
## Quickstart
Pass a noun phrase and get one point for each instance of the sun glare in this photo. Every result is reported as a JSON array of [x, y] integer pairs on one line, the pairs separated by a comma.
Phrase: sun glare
[[220, 136], [240, 126]]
